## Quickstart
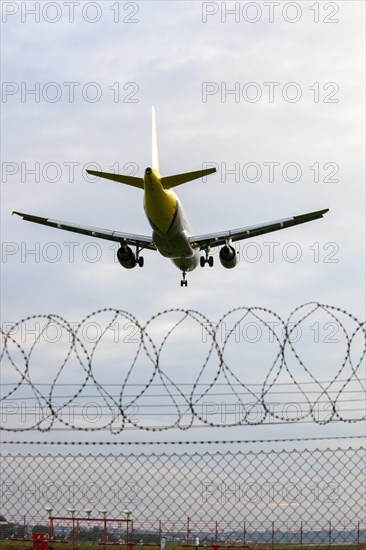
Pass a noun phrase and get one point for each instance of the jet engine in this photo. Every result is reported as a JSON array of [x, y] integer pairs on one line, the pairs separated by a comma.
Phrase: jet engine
[[126, 257], [228, 257]]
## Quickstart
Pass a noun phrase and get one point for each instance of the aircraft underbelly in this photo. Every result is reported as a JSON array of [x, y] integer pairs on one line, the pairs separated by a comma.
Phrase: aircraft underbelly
[[175, 244], [178, 249]]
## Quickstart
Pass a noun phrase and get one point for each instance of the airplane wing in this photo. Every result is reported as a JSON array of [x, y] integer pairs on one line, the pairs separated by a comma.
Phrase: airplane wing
[[220, 238], [141, 241]]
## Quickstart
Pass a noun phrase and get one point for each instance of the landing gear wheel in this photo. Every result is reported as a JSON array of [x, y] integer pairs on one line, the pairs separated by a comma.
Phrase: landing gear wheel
[[206, 260], [140, 261], [184, 281]]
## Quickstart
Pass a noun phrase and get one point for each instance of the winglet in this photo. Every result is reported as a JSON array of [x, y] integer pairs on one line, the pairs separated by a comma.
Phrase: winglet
[[155, 164]]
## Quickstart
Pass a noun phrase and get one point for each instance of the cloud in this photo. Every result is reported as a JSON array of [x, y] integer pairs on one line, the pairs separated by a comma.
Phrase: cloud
[[164, 59]]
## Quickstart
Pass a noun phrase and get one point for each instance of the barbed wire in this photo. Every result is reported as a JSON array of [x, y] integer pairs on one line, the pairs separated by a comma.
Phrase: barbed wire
[[213, 390], [181, 443]]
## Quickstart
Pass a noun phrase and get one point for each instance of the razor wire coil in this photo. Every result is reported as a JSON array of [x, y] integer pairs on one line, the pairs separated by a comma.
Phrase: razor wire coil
[[182, 404]]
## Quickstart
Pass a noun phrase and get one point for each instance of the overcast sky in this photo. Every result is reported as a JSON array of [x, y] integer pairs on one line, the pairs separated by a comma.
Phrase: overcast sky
[[274, 92]]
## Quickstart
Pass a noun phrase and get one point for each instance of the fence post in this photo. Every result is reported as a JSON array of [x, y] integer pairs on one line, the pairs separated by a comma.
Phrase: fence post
[[215, 532], [301, 534], [330, 534], [105, 533], [358, 535], [272, 541], [24, 529], [245, 533], [73, 533], [52, 532]]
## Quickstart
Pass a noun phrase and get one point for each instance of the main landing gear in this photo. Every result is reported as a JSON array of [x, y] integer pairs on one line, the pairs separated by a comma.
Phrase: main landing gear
[[139, 259], [128, 258], [206, 259], [184, 281]]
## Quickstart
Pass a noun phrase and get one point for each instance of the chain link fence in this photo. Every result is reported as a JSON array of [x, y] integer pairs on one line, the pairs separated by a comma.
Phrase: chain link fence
[[286, 487]]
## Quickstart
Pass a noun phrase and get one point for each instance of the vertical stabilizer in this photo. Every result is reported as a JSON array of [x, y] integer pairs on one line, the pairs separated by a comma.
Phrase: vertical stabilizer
[[155, 164]]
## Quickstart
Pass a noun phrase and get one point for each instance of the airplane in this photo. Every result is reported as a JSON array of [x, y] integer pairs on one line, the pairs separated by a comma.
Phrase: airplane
[[172, 234]]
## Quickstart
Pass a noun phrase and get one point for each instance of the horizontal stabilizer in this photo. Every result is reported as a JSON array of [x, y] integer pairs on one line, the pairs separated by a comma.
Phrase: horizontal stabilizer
[[178, 179], [128, 180]]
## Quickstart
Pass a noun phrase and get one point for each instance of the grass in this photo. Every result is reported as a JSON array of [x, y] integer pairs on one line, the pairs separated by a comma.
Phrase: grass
[[19, 545]]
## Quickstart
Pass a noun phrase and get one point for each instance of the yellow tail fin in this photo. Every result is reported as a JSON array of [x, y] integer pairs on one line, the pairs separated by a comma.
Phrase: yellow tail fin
[[155, 164]]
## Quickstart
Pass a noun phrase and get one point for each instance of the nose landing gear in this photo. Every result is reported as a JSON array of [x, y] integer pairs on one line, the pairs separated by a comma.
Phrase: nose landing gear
[[184, 281]]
